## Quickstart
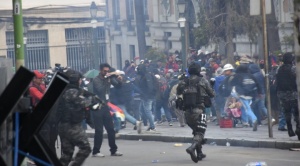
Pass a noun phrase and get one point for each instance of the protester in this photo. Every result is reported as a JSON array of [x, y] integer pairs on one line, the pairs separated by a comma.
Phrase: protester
[[148, 88], [101, 85], [246, 87]]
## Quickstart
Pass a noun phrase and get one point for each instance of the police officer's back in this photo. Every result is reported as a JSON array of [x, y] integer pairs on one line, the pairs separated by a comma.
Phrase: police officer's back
[[191, 88]]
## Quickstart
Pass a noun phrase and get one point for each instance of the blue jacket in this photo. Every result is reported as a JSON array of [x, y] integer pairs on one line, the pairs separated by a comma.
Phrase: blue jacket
[[256, 72], [219, 80]]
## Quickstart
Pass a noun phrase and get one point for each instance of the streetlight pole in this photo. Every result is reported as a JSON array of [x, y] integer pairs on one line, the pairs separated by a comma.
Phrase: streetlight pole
[[265, 44], [182, 23], [181, 4], [93, 12]]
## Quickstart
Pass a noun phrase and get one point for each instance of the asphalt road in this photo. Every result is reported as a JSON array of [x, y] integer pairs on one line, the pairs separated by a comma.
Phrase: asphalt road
[[142, 153]]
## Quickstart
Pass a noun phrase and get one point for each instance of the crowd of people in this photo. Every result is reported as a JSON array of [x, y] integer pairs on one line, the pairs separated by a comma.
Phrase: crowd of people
[[152, 93]]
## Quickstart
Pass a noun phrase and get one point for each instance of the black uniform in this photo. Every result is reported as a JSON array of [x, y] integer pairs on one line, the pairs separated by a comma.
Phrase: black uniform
[[287, 93], [196, 117], [71, 112]]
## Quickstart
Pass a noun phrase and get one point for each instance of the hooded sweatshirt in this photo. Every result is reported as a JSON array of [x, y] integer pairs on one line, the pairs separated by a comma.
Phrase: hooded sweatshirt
[[256, 72]]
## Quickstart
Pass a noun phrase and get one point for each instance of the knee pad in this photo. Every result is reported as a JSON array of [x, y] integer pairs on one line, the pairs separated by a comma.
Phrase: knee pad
[[201, 124]]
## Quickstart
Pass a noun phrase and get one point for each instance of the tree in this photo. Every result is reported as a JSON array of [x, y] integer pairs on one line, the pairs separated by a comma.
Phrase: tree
[[223, 20], [155, 55], [140, 26]]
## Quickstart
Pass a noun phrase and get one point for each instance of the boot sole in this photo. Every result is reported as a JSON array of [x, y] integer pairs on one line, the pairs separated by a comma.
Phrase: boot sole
[[297, 132], [193, 156]]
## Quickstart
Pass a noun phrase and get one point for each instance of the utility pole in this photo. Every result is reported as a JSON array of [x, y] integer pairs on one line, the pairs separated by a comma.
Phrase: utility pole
[[266, 52], [18, 33]]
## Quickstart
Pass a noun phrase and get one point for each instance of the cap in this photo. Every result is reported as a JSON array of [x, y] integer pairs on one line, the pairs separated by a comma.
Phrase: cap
[[211, 60], [245, 59], [38, 74]]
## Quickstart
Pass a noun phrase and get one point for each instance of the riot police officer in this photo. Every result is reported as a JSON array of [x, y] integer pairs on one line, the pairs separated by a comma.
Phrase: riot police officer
[[71, 112], [287, 92], [194, 112]]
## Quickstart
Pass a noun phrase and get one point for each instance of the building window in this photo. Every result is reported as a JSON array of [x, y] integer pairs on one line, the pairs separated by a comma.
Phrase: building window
[[132, 51], [168, 43], [116, 14], [80, 47], [145, 5], [36, 50], [116, 8], [130, 9], [119, 56]]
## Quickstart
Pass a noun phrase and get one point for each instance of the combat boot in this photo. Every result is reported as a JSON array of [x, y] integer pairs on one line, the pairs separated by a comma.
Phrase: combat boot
[[297, 131], [200, 154], [191, 150], [290, 130]]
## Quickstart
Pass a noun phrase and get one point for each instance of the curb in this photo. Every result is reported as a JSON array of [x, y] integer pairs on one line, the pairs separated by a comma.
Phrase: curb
[[210, 141]]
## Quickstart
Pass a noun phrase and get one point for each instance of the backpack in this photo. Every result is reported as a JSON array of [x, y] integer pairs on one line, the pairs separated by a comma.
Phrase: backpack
[[190, 94], [248, 85]]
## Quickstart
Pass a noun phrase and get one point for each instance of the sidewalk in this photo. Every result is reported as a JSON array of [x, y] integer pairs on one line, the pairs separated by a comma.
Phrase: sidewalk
[[244, 137]]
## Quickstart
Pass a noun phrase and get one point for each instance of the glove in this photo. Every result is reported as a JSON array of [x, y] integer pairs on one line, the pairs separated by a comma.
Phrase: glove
[[212, 82], [96, 106]]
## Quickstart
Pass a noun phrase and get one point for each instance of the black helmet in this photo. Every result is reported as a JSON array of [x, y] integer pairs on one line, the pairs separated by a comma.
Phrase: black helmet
[[194, 69], [288, 58], [73, 76]]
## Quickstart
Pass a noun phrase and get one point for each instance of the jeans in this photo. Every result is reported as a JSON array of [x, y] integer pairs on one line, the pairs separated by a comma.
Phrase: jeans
[[128, 117], [247, 111], [162, 104], [281, 119], [259, 108], [102, 118], [146, 110], [219, 104]]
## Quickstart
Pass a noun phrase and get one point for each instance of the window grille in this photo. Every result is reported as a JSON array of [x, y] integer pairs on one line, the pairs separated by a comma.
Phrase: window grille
[[132, 52], [36, 49], [119, 56], [80, 47]]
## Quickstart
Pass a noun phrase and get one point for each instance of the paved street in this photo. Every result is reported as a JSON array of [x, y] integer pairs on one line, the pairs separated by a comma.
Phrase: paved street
[[244, 137], [138, 153]]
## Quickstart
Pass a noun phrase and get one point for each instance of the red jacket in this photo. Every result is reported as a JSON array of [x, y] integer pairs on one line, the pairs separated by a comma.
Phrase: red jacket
[[171, 65], [36, 92]]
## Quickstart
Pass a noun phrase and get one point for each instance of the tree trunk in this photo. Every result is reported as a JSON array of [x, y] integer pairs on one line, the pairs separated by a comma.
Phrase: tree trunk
[[272, 29], [140, 27], [229, 33]]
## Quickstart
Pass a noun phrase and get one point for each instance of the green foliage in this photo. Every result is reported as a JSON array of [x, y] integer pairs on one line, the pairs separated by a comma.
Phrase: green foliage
[[277, 52], [155, 54], [289, 39]]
